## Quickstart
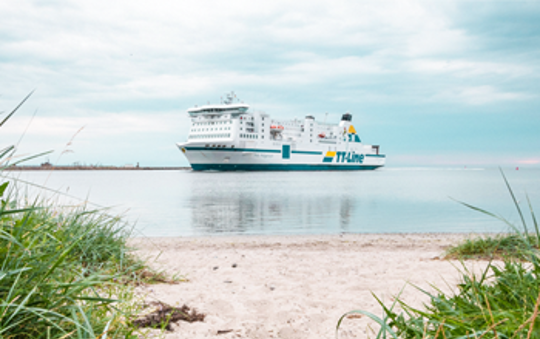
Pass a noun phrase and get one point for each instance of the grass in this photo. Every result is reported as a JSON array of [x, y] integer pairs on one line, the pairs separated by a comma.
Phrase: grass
[[59, 271], [64, 273], [501, 302], [500, 246]]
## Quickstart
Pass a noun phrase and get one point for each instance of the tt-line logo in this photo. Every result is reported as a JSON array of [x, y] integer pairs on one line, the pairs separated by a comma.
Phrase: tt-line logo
[[350, 157]]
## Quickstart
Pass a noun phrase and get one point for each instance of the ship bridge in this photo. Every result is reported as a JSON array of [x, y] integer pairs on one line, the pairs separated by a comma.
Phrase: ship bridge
[[218, 109], [227, 106]]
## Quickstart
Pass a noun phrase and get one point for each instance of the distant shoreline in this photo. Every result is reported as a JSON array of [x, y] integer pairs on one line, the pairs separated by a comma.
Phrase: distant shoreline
[[94, 168]]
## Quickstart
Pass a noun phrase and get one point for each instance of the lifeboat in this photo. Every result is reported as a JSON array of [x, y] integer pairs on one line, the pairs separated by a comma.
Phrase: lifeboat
[[322, 135], [276, 128]]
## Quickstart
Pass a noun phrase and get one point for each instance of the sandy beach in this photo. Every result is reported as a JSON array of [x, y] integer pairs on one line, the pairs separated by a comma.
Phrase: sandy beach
[[295, 286]]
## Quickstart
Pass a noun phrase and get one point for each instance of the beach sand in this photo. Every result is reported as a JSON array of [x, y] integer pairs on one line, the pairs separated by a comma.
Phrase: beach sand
[[295, 286]]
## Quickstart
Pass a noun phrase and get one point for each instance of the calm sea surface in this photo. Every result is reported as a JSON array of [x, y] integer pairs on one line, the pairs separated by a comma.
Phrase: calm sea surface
[[186, 203]]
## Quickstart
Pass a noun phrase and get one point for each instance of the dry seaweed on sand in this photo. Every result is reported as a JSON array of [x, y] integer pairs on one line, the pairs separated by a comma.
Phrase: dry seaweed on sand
[[163, 315]]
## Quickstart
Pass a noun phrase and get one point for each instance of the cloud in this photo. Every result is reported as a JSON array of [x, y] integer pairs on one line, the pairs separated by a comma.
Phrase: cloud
[[481, 95], [132, 67], [470, 69], [96, 124]]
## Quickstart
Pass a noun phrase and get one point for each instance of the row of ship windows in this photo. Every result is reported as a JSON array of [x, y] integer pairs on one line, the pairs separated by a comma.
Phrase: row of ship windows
[[250, 136], [212, 123], [218, 146], [209, 129], [210, 136]]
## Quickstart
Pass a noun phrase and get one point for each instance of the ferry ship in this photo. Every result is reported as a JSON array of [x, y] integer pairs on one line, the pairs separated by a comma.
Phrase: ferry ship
[[228, 136]]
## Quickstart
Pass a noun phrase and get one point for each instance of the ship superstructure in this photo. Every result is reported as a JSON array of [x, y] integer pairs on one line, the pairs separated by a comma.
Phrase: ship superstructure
[[228, 136]]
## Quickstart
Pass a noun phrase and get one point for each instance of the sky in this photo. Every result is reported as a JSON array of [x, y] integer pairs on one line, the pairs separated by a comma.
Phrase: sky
[[434, 83]]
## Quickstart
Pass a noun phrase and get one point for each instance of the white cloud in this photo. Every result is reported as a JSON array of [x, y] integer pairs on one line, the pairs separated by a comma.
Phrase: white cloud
[[124, 67], [97, 125], [468, 68], [481, 95]]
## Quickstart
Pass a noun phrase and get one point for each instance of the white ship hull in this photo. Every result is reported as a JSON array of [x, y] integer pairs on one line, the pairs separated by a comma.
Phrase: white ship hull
[[253, 159], [228, 137]]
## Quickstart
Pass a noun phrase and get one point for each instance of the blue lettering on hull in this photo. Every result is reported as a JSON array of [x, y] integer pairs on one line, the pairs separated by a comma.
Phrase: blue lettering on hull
[[349, 157]]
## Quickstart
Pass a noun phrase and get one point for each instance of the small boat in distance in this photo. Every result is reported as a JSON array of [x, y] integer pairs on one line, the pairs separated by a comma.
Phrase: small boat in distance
[[228, 136]]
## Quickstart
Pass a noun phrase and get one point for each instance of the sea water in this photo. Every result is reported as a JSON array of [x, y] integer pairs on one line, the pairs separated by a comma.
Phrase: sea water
[[388, 200]]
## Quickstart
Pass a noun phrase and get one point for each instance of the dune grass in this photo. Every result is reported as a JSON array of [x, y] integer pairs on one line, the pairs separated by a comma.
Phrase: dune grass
[[64, 273], [499, 246], [502, 302]]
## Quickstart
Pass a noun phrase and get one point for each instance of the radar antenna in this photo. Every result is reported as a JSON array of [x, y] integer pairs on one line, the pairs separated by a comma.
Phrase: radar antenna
[[229, 98]]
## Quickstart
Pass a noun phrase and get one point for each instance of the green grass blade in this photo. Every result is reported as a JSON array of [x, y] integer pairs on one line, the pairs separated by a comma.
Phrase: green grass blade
[[16, 108], [515, 202], [372, 317], [535, 223], [26, 159], [3, 188], [6, 151], [62, 256]]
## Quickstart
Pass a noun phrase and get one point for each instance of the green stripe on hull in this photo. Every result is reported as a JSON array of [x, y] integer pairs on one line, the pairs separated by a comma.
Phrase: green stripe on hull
[[307, 152], [279, 167]]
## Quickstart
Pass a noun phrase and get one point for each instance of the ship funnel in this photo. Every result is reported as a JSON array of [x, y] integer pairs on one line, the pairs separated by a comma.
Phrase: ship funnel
[[346, 117]]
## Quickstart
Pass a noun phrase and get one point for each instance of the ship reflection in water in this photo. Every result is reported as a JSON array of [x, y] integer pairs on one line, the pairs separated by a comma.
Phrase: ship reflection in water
[[336, 202], [188, 203], [265, 212], [280, 203]]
